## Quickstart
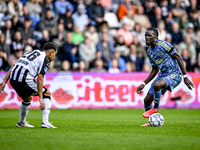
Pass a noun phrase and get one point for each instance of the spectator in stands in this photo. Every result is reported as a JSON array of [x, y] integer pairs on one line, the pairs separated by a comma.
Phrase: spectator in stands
[[67, 19], [3, 46], [51, 67], [8, 31], [129, 20], [130, 67], [15, 8], [65, 66], [69, 50], [123, 9], [81, 66], [114, 68], [80, 18], [196, 66], [162, 31], [141, 51], [177, 10], [177, 36], [125, 33], [35, 11], [61, 6], [48, 22], [4, 8], [25, 14], [92, 35], [97, 11], [34, 8], [121, 47], [105, 29], [132, 57], [139, 33], [106, 47], [187, 44], [99, 56], [27, 33], [146, 67], [45, 38], [3, 60], [187, 59], [157, 17], [87, 52], [59, 35], [194, 18], [168, 38], [193, 7], [98, 67], [77, 37], [16, 24], [49, 5], [87, 7], [149, 7], [142, 19], [183, 22], [166, 11], [121, 61], [17, 43], [190, 30]]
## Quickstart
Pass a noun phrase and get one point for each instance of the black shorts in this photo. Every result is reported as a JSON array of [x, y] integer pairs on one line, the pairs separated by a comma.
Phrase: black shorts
[[26, 89]]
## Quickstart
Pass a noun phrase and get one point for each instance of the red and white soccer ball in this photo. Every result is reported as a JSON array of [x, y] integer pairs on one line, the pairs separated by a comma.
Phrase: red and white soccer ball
[[156, 120]]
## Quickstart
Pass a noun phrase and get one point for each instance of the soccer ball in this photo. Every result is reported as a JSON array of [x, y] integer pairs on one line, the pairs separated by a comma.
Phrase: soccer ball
[[156, 120]]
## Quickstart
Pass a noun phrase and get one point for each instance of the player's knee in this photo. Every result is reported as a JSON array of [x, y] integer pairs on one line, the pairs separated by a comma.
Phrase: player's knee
[[28, 99], [156, 86], [47, 94]]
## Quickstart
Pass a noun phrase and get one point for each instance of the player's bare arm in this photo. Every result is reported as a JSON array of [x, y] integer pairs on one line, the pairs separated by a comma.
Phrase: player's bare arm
[[152, 74], [3, 83], [40, 87], [179, 59]]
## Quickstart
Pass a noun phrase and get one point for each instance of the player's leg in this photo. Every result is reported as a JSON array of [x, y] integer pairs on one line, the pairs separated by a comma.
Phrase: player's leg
[[46, 111], [24, 112], [25, 93], [148, 105], [154, 94], [158, 85], [148, 101]]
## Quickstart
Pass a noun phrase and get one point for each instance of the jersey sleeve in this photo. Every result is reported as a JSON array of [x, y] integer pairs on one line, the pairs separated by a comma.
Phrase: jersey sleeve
[[168, 48], [44, 66]]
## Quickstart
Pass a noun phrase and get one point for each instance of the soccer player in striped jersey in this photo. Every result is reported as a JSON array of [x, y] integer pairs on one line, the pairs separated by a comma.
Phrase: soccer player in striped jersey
[[31, 65], [164, 58]]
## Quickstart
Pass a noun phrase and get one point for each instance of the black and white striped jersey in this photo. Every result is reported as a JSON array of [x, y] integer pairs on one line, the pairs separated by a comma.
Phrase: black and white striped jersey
[[30, 65]]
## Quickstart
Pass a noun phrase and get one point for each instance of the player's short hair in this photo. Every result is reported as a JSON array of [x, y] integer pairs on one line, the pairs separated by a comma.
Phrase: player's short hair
[[154, 30], [48, 46]]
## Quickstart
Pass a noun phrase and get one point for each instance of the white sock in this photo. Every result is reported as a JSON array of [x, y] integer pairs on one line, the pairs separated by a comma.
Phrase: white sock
[[24, 112], [46, 111]]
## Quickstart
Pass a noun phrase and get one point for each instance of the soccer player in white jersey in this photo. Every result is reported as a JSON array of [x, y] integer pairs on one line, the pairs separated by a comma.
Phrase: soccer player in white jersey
[[32, 64]]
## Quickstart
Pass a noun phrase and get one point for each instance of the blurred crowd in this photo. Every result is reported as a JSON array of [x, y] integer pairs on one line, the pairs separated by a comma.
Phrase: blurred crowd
[[98, 35]]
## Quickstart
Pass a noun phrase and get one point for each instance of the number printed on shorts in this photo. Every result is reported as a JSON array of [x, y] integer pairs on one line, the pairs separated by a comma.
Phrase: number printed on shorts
[[173, 76]]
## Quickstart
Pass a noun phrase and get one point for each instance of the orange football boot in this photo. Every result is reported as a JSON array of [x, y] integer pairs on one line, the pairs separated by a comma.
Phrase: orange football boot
[[148, 113]]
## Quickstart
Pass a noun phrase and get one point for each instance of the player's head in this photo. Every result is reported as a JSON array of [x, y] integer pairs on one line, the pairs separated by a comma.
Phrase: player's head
[[151, 36], [51, 50]]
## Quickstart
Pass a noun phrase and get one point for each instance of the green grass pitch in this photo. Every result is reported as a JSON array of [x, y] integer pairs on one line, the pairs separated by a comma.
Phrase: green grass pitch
[[101, 129]]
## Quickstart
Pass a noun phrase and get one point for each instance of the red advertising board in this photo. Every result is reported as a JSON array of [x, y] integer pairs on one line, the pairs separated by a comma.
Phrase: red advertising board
[[93, 90]]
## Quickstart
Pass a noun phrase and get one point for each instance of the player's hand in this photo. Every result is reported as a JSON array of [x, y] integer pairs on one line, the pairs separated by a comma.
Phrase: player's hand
[[2, 86], [139, 89], [189, 84], [42, 106]]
